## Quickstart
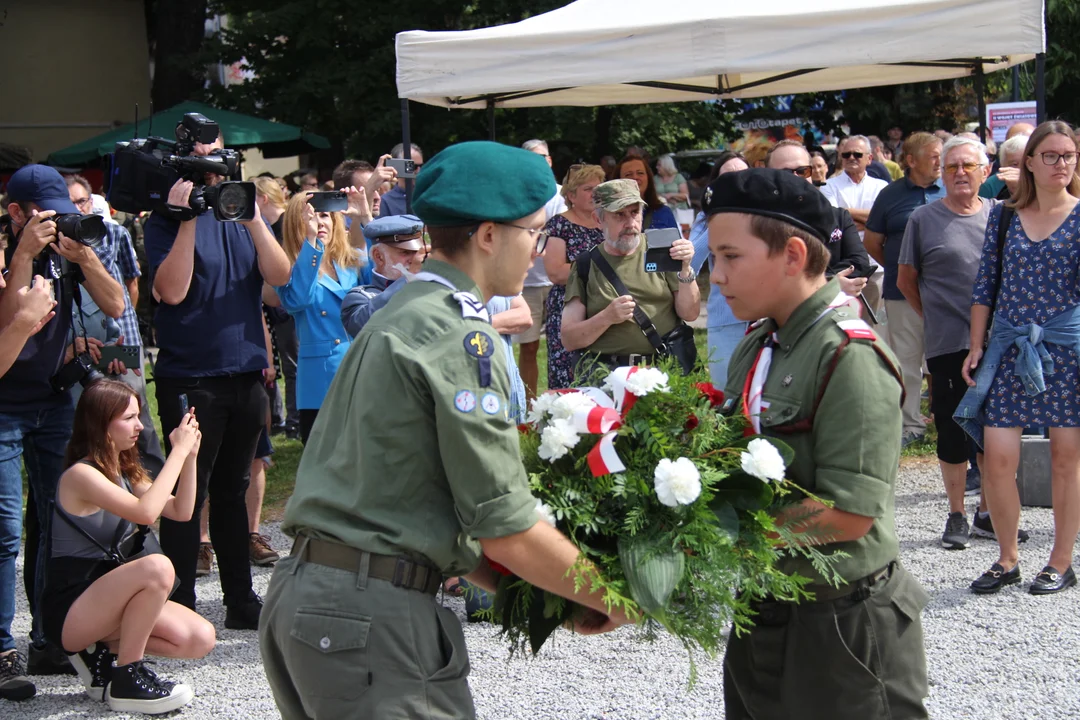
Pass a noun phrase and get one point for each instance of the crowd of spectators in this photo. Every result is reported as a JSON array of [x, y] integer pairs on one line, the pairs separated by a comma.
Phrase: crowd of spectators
[[228, 308]]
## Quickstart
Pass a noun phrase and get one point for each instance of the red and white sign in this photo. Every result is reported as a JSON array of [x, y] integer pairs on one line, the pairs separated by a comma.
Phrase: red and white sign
[[1002, 116]]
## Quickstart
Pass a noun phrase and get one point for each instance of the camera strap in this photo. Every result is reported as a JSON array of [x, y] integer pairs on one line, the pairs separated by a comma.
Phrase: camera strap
[[643, 321]]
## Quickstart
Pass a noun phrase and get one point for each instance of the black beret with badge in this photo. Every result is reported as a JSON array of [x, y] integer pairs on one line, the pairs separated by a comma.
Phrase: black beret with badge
[[778, 194]]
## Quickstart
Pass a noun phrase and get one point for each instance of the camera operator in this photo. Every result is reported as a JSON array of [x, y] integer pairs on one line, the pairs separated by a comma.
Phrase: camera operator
[[208, 275], [36, 414]]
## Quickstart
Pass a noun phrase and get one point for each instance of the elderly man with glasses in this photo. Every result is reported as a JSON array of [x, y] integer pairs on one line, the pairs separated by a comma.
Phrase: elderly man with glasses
[[939, 259], [599, 319]]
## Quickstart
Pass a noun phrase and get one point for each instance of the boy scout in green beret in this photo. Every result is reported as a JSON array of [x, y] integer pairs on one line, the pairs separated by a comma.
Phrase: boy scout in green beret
[[412, 471], [814, 375]]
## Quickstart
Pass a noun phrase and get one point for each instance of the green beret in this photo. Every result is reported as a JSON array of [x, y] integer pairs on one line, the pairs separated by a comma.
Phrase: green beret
[[478, 181]]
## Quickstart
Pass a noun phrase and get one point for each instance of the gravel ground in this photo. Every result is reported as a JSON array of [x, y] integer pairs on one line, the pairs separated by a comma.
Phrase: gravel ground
[[1006, 656]]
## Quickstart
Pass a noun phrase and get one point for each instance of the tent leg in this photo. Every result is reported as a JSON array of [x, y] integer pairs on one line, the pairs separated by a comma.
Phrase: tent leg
[[491, 119], [406, 150], [980, 99], [1040, 87], [1016, 83]]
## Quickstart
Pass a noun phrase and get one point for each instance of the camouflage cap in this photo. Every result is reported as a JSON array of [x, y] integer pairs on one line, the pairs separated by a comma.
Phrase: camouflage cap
[[614, 195]]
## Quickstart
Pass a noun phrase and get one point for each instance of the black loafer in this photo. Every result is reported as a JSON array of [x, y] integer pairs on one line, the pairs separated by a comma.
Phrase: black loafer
[[1050, 581], [996, 578]]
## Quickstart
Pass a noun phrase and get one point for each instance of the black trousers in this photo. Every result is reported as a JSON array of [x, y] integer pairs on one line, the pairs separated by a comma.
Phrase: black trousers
[[307, 421], [232, 412], [288, 346]]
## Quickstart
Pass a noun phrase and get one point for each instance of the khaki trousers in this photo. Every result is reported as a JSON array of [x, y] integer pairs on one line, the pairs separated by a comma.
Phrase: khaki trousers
[[904, 333], [339, 645]]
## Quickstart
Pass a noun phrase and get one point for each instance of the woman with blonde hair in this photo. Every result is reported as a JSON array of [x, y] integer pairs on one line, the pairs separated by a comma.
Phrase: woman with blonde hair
[[106, 613], [325, 268], [271, 201], [670, 184], [1028, 375], [572, 232]]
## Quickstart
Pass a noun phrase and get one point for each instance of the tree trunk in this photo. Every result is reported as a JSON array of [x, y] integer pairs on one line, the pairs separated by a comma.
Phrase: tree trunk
[[177, 32]]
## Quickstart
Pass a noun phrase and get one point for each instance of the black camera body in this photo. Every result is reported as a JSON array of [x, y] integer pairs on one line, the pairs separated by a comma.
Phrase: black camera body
[[79, 370], [142, 171]]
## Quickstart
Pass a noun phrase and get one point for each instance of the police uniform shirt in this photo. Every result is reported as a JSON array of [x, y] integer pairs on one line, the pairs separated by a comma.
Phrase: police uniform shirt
[[851, 454], [413, 452]]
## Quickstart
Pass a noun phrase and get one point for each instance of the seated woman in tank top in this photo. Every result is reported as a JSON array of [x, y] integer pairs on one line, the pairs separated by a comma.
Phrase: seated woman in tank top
[[106, 615]]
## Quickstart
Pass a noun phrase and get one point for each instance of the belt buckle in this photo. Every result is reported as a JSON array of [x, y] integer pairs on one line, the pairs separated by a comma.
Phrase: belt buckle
[[634, 358], [404, 572]]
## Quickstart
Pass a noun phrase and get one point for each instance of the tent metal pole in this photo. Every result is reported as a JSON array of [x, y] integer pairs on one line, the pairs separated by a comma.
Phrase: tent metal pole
[[1016, 83], [491, 119], [406, 150], [980, 99], [1040, 87]]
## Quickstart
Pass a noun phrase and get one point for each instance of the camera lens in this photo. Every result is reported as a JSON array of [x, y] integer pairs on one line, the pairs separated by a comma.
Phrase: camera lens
[[232, 202]]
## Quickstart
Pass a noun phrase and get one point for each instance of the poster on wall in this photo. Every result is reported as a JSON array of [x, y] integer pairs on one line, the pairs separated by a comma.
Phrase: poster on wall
[[1001, 116]]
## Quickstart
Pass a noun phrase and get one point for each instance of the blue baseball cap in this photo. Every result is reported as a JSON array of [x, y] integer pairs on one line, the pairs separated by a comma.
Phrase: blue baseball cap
[[43, 186], [401, 231]]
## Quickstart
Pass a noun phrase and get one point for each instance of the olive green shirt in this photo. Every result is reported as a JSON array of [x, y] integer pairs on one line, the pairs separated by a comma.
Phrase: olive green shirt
[[411, 453], [653, 292], [852, 453]]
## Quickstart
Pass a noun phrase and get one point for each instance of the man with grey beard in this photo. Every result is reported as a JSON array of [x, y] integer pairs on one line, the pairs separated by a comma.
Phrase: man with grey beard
[[598, 319]]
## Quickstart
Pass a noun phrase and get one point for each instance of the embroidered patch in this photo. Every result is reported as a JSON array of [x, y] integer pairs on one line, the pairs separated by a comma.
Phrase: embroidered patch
[[471, 307], [787, 380], [490, 403], [479, 344], [465, 401]]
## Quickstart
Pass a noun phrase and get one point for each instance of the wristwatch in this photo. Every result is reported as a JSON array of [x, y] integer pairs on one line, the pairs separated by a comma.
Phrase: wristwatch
[[687, 280]]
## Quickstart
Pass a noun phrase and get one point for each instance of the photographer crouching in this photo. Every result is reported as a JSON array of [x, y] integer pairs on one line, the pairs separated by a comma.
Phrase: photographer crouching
[[47, 238], [208, 275]]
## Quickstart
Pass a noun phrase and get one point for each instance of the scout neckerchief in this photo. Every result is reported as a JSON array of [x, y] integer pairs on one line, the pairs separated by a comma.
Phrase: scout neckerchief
[[754, 388], [478, 344]]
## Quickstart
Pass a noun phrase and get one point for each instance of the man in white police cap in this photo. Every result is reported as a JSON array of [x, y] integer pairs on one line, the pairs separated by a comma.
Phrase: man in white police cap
[[397, 247]]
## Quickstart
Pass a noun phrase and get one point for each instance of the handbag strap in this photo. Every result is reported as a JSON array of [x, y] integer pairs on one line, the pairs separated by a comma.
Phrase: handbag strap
[[68, 519], [1004, 223], [640, 317]]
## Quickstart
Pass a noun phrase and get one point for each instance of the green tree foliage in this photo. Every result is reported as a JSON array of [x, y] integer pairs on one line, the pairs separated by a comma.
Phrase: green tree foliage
[[329, 66]]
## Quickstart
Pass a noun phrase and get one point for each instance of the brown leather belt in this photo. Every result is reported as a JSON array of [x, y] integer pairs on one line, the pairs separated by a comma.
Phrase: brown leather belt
[[398, 570]]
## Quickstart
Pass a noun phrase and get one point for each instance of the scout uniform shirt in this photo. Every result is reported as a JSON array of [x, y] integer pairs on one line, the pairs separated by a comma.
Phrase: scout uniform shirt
[[413, 452], [849, 452]]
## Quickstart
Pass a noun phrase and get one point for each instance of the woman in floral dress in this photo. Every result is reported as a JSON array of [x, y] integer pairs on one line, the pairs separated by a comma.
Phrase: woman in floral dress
[[572, 233], [1037, 303]]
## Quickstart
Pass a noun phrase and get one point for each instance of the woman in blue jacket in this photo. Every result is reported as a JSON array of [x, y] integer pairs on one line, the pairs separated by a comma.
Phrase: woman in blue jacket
[[325, 267]]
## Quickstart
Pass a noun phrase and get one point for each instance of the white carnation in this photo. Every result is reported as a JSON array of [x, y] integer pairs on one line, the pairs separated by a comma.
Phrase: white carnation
[[762, 460], [545, 513], [541, 408], [640, 383], [569, 404], [557, 439], [677, 483]]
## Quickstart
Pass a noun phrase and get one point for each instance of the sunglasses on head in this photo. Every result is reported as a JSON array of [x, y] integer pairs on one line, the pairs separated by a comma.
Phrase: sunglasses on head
[[852, 154]]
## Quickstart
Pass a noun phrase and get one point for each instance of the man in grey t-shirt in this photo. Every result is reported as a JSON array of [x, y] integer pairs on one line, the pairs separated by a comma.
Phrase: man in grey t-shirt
[[939, 259]]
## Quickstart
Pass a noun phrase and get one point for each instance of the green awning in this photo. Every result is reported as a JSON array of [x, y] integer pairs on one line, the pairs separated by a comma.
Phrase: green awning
[[274, 139]]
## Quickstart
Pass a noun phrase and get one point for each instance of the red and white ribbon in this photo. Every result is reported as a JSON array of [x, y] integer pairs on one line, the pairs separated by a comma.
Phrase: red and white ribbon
[[605, 419]]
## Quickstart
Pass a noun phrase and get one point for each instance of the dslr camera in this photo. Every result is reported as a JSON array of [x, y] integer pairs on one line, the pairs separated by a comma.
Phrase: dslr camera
[[143, 170]]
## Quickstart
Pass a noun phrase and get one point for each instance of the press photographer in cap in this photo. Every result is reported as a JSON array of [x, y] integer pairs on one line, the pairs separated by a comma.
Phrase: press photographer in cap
[[620, 306], [49, 244], [397, 241], [814, 375], [388, 503], [208, 275]]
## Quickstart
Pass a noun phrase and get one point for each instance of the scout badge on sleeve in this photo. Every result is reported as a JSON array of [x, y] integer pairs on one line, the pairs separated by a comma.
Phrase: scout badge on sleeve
[[481, 347]]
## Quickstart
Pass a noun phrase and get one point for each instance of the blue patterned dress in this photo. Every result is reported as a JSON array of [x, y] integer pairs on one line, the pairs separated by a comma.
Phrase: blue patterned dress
[[578, 239], [1039, 282]]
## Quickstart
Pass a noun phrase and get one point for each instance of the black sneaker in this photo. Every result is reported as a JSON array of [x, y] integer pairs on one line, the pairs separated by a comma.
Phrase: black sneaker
[[94, 667], [135, 688], [14, 685], [957, 532], [973, 483], [245, 615], [48, 659], [982, 527]]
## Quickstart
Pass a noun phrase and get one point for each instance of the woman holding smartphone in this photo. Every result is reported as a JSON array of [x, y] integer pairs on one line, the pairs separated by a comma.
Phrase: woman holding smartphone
[[107, 615], [325, 268]]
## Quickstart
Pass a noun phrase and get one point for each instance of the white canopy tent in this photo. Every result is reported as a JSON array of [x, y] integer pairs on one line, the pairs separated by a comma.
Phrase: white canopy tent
[[609, 52]]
